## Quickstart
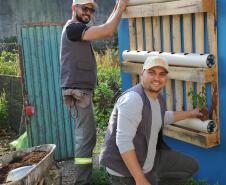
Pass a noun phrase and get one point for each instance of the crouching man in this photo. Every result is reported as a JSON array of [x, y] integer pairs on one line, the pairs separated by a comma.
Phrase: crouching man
[[134, 152]]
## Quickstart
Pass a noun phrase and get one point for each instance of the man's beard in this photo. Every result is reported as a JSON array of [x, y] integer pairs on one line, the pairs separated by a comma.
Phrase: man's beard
[[154, 91], [80, 19]]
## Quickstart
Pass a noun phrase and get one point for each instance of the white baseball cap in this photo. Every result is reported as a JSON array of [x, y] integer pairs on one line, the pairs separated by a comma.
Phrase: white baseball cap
[[155, 61], [81, 2]]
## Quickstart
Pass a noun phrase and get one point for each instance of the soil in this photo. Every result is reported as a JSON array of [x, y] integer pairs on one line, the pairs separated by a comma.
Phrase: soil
[[29, 159]]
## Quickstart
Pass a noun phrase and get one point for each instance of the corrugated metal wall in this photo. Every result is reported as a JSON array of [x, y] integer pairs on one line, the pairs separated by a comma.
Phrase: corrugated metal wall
[[51, 122]]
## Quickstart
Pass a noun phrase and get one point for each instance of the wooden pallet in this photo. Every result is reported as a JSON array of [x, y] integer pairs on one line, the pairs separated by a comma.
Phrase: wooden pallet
[[166, 26]]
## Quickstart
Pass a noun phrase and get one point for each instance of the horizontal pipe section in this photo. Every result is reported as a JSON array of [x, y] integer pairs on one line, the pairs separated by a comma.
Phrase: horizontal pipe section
[[174, 59], [208, 126]]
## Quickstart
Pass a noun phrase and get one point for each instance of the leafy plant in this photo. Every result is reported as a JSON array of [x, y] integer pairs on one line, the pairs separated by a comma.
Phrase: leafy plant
[[9, 63], [109, 86], [3, 107], [198, 99]]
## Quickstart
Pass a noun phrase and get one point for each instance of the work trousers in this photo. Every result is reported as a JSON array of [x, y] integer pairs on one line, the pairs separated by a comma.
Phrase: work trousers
[[85, 133], [170, 168]]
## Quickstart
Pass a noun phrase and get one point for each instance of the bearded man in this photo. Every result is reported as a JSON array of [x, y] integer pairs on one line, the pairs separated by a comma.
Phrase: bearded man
[[79, 76]]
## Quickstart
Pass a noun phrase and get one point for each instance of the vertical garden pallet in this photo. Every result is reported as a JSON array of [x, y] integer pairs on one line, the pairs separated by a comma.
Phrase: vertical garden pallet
[[179, 26]]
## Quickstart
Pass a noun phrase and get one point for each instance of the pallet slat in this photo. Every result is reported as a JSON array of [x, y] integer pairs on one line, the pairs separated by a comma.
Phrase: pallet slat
[[187, 23], [148, 33], [212, 42], [199, 38], [177, 48], [140, 40], [197, 138], [157, 33], [169, 8], [132, 36], [167, 48]]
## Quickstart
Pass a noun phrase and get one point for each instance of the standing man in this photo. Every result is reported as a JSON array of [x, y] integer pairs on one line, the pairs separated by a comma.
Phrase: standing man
[[79, 76], [134, 151]]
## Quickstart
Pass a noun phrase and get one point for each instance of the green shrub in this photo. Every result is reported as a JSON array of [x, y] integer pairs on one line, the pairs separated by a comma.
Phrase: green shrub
[[3, 108], [9, 63], [109, 86], [100, 176]]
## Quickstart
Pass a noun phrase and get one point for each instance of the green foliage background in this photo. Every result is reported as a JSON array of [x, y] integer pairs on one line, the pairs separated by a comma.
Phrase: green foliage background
[[108, 88], [9, 63], [3, 108]]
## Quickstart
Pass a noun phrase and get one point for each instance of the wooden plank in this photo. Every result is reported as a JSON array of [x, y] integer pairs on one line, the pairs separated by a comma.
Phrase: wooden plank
[[177, 73], [212, 41], [132, 37], [157, 33], [199, 30], [177, 48], [187, 22], [140, 2], [140, 38], [148, 33], [166, 33], [197, 138], [169, 8], [167, 48], [199, 40]]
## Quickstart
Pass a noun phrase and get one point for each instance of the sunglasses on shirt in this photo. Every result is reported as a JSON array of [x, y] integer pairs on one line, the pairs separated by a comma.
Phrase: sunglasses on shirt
[[86, 9]]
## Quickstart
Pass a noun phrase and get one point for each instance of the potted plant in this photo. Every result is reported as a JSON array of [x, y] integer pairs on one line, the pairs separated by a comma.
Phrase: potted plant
[[199, 101]]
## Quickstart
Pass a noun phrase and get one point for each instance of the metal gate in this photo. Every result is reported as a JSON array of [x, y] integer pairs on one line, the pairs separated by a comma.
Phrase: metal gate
[[51, 122]]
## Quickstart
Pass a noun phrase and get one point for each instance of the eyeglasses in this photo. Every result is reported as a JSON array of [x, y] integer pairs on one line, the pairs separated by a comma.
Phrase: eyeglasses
[[87, 9]]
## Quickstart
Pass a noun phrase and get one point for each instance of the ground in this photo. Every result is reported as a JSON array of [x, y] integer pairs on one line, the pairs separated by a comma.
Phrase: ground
[[68, 172], [66, 168], [5, 139]]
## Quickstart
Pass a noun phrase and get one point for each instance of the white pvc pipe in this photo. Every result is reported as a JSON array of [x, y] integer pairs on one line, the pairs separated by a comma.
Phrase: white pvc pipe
[[174, 59], [141, 2], [208, 126]]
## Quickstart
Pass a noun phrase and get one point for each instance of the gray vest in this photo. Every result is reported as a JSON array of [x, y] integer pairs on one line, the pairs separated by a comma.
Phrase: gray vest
[[110, 155], [78, 64]]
